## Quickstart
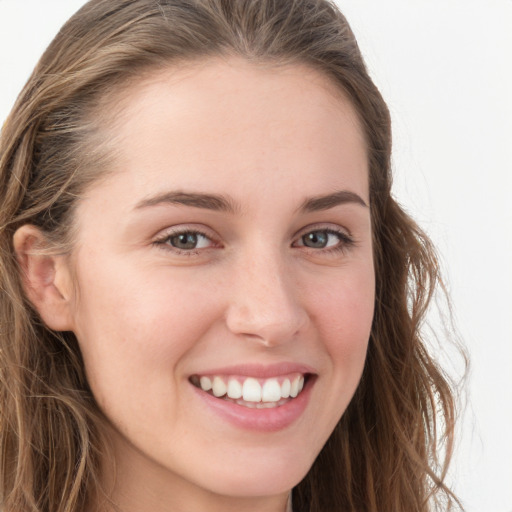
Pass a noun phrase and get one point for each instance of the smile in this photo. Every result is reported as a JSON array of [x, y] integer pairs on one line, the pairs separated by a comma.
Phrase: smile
[[251, 392]]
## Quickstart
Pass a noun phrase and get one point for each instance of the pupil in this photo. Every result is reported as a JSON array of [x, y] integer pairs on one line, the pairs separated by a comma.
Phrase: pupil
[[184, 241], [315, 239]]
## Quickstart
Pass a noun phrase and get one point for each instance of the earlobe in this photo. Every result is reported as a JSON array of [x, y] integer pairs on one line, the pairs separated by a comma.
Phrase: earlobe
[[45, 277]]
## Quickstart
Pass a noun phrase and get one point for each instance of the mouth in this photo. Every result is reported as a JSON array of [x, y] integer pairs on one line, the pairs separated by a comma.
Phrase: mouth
[[250, 392]]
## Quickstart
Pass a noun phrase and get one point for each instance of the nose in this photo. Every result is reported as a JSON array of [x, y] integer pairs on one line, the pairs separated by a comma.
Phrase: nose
[[265, 303]]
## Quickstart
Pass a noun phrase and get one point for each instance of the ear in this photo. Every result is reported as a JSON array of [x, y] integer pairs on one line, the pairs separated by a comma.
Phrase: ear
[[46, 278]]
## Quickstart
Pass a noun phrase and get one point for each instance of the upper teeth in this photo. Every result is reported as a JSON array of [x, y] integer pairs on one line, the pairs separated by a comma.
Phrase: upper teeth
[[253, 390]]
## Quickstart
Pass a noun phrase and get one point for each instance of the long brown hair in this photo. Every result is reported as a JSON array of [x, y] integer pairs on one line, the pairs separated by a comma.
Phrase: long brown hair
[[384, 452]]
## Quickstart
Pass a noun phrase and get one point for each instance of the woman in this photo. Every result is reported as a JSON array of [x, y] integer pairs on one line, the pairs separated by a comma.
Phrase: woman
[[210, 297]]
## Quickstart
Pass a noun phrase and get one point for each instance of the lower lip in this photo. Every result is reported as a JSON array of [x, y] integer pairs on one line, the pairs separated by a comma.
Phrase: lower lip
[[265, 420]]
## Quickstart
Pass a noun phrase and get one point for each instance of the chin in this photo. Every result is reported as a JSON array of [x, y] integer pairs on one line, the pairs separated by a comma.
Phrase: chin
[[258, 476]]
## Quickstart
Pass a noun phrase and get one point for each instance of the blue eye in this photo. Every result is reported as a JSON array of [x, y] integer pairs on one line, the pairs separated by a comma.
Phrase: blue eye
[[316, 239], [186, 241], [324, 239]]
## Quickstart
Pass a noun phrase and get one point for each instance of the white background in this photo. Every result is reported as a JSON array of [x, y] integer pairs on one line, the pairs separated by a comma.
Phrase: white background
[[445, 69]]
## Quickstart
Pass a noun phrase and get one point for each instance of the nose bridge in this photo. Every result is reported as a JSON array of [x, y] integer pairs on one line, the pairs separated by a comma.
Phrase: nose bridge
[[265, 301]]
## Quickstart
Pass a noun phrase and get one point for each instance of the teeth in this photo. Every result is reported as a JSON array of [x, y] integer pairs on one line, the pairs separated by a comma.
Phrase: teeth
[[219, 387], [271, 391], [251, 391], [259, 405], [285, 388], [261, 393], [234, 389], [206, 383], [296, 386]]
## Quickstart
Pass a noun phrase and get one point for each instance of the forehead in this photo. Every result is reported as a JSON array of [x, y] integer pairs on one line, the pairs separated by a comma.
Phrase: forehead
[[210, 122], [220, 87]]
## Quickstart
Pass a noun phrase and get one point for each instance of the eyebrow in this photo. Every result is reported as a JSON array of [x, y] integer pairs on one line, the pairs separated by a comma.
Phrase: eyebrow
[[222, 203], [326, 202], [205, 201]]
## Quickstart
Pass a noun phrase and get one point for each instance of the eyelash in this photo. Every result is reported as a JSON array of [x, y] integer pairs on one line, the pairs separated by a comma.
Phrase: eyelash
[[344, 244], [164, 241], [345, 241]]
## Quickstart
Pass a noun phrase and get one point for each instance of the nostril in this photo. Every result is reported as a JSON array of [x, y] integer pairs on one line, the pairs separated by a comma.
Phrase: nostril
[[269, 328]]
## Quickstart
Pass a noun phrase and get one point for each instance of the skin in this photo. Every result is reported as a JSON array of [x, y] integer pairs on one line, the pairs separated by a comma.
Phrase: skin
[[148, 316]]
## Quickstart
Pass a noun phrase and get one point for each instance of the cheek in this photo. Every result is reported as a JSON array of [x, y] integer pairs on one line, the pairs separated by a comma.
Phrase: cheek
[[130, 329], [343, 317], [341, 308], [344, 308], [134, 305]]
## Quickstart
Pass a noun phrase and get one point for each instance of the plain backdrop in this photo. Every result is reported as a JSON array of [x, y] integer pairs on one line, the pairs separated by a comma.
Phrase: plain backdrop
[[445, 69]]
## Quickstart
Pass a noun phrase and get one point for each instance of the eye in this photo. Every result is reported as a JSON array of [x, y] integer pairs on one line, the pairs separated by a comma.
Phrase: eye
[[324, 239], [189, 240], [319, 239], [185, 241]]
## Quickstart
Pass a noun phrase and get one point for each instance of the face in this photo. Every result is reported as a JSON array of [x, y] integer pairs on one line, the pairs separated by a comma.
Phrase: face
[[225, 278]]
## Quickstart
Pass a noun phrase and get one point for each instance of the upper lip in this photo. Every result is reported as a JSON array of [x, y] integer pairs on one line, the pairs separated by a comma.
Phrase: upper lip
[[261, 371]]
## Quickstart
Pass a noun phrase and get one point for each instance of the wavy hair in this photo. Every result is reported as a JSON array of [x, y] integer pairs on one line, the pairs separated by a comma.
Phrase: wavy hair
[[391, 448]]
